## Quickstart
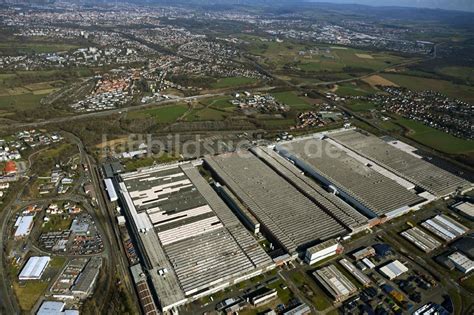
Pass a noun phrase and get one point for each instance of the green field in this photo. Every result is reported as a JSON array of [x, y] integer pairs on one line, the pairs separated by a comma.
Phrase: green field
[[206, 114], [319, 58], [357, 88], [29, 292], [233, 82], [463, 73], [291, 99], [436, 139], [162, 115], [17, 48], [463, 92], [20, 102], [361, 106], [220, 102], [57, 223]]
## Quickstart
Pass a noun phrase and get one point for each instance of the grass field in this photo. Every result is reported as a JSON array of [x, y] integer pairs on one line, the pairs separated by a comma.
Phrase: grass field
[[17, 48], [319, 58], [361, 106], [162, 115], [206, 114], [319, 298], [358, 88], [291, 99], [57, 223], [436, 139], [25, 101], [233, 82], [29, 292], [220, 102], [463, 92], [463, 73]]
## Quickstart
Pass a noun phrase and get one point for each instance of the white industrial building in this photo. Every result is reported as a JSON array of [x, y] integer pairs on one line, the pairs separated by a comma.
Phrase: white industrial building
[[335, 282], [322, 251], [462, 263], [421, 239], [55, 308], [446, 228], [109, 186], [359, 275], [23, 226], [34, 268], [465, 208], [393, 269]]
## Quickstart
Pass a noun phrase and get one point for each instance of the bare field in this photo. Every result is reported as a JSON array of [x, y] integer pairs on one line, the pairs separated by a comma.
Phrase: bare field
[[364, 56], [375, 80]]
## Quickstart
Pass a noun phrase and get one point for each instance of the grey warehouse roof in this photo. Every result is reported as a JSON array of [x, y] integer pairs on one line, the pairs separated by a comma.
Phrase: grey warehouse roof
[[375, 191], [424, 174], [289, 215]]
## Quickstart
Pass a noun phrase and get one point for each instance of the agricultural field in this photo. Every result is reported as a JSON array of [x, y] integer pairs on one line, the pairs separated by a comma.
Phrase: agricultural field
[[291, 99], [22, 48], [320, 58], [450, 89], [233, 82], [463, 73], [222, 103], [436, 139], [206, 114], [356, 88], [24, 90], [162, 115], [361, 106]]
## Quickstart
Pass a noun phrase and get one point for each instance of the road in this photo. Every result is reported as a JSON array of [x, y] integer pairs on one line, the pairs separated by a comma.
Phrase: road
[[8, 303], [106, 113], [117, 260]]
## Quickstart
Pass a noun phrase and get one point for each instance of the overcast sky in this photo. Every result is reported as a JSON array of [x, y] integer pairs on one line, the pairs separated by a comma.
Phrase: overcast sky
[[464, 5]]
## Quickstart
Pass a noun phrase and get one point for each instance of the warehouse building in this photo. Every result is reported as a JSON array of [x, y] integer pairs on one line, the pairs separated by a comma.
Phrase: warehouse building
[[322, 251], [190, 242], [335, 283], [393, 269], [55, 308], [302, 309], [263, 297], [415, 170], [373, 191], [34, 268], [446, 228], [363, 253], [462, 263], [109, 187], [241, 211], [420, 239], [465, 208], [359, 275], [287, 215], [144, 294], [23, 225], [85, 282]]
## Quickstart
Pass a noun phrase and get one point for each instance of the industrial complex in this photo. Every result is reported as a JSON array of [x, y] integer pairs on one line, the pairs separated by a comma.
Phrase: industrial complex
[[191, 242], [198, 225]]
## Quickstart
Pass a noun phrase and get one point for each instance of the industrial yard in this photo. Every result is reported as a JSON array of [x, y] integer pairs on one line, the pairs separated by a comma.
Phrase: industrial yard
[[215, 227]]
